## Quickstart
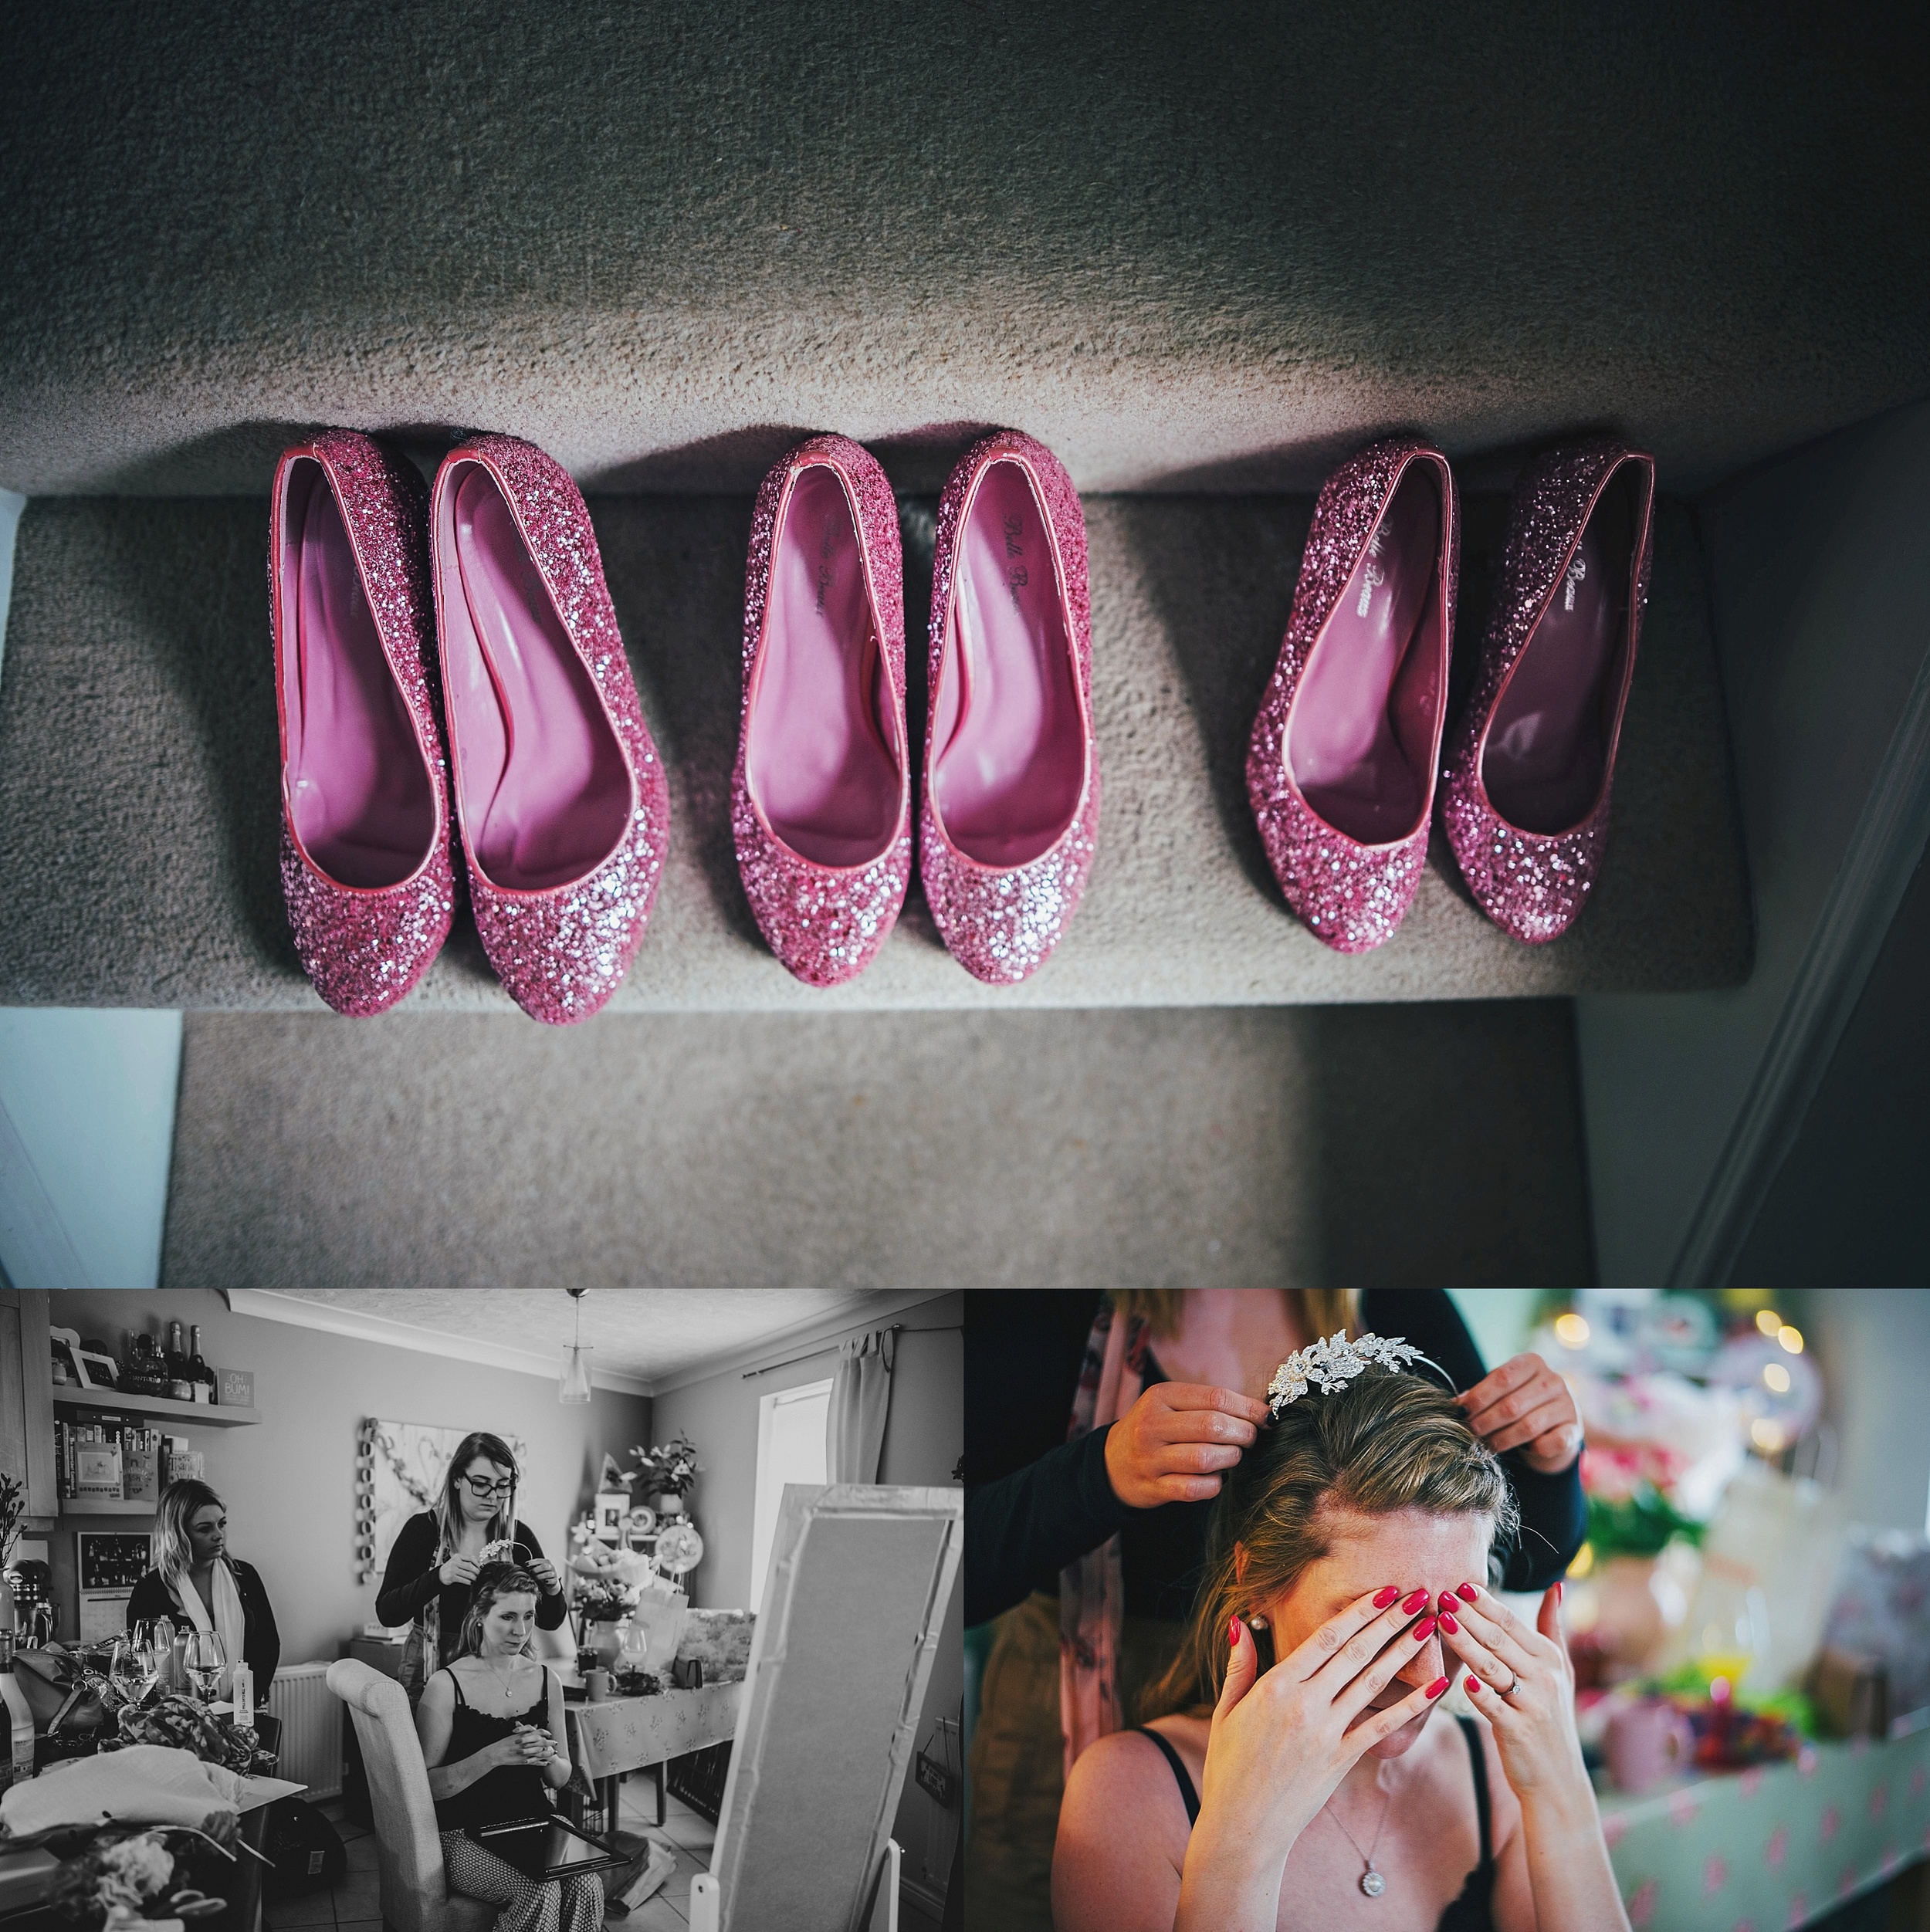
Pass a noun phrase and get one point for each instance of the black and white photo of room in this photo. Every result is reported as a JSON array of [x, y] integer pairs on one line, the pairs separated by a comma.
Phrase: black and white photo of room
[[529, 1610]]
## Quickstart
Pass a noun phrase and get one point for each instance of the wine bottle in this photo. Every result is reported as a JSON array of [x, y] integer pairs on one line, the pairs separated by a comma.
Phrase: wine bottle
[[181, 1382], [198, 1370]]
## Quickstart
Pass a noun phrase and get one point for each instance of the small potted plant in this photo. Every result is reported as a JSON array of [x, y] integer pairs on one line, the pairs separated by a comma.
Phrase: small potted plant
[[666, 1473]]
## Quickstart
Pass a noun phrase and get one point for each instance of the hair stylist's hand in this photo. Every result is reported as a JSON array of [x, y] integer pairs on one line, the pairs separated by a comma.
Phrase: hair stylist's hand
[[1524, 1404], [1278, 1746], [545, 1573], [1170, 1445], [458, 1569]]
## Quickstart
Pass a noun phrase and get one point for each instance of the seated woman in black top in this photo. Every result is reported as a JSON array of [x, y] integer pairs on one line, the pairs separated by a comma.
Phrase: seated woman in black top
[[198, 1586], [437, 1553], [493, 1739], [1294, 1767]]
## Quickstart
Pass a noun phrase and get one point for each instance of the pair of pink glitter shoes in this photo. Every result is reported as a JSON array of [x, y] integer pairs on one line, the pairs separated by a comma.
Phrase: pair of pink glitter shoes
[[479, 604], [820, 799], [1341, 766]]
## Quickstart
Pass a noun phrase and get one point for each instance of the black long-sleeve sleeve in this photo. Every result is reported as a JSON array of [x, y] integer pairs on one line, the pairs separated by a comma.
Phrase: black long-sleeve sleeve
[[1037, 1521], [410, 1580]]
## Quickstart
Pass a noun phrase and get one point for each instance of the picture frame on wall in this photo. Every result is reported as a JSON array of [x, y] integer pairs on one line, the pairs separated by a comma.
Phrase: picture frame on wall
[[612, 1505]]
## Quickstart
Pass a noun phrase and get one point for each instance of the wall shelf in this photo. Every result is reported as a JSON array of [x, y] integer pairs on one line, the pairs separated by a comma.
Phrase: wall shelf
[[103, 1505], [198, 1415]]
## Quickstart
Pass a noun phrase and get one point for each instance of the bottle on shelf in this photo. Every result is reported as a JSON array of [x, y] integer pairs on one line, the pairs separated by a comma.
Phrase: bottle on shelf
[[181, 1376], [202, 1376]]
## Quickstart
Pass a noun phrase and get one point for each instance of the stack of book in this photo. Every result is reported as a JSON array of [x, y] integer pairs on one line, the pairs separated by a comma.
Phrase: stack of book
[[106, 1457]]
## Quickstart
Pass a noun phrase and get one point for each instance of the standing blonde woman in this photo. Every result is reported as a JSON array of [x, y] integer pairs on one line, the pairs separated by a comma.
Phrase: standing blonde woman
[[1098, 1430], [197, 1584], [439, 1552]]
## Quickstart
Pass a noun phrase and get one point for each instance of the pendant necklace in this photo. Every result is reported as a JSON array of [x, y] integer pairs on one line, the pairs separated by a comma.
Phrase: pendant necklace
[[1370, 1881]]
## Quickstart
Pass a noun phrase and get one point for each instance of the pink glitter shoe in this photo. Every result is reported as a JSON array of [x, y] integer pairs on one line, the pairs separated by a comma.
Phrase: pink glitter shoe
[[559, 792], [1011, 806], [365, 798], [1341, 765], [820, 800], [1526, 788]]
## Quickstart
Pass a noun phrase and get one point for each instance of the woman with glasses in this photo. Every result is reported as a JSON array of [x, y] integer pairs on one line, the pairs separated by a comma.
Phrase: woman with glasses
[[200, 1588], [438, 1553]]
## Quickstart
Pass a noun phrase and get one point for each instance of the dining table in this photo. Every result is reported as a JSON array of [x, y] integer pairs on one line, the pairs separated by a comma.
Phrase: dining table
[[1773, 1847], [623, 1734]]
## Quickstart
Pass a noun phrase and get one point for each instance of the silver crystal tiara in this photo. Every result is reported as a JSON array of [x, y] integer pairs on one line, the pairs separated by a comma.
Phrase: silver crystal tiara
[[1331, 1363]]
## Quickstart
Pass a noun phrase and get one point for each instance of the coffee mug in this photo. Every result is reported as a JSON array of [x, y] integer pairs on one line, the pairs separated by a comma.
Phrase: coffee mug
[[598, 1682], [1645, 1740]]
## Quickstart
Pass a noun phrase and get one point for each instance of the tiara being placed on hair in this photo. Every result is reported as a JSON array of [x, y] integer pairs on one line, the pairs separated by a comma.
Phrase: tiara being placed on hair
[[1331, 1363]]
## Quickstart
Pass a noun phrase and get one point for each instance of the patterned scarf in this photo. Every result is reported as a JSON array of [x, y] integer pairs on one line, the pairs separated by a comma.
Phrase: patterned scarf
[[1092, 1589]]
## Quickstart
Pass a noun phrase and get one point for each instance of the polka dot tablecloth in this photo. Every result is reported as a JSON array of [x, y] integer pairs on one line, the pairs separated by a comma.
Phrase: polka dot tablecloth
[[626, 1734], [1768, 1850]]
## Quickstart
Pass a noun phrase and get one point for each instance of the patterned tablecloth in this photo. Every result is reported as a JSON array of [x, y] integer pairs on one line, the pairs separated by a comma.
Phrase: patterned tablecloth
[[1773, 1848], [626, 1733]]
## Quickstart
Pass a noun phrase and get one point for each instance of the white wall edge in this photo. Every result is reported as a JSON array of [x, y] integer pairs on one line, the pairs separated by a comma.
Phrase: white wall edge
[[273, 1304], [799, 1336], [1890, 835]]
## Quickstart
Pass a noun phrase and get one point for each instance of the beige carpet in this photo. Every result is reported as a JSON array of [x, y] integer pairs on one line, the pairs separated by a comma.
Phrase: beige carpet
[[1189, 247], [1412, 1145]]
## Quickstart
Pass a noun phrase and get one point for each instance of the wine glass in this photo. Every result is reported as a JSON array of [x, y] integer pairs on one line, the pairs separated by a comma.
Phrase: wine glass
[[206, 1661], [127, 1668]]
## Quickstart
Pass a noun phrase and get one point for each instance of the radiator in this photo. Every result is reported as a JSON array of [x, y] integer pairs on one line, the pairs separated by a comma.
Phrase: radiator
[[311, 1716]]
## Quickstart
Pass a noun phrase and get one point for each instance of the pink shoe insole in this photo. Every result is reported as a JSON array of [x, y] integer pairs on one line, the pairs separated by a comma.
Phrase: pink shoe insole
[[545, 791], [1009, 741], [1547, 750], [359, 793], [1361, 739], [821, 752]]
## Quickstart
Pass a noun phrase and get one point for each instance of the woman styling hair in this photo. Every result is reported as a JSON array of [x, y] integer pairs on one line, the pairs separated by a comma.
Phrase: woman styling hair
[[438, 1552], [195, 1578], [1295, 1778], [491, 1724]]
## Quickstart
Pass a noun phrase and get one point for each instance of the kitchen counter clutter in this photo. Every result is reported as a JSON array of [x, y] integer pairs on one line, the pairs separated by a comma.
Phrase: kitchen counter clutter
[[1775, 1845]]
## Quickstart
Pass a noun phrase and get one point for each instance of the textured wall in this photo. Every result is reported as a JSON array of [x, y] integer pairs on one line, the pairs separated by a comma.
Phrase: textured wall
[[1189, 248]]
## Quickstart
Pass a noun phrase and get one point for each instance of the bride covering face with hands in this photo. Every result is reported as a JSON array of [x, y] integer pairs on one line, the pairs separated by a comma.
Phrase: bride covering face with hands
[[1302, 1774]]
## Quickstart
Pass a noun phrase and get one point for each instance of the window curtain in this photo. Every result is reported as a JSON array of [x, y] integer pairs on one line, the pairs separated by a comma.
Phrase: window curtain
[[860, 1395]]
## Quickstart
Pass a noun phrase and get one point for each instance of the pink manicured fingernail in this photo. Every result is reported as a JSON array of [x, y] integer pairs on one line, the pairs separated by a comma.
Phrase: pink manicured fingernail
[[1449, 1625], [1415, 1602], [1466, 1592], [1233, 1632], [1558, 1590], [1437, 1687], [1424, 1629], [1472, 1685], [1387, 1596]]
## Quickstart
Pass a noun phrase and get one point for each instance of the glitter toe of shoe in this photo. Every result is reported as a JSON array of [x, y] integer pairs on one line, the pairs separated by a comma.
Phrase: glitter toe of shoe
[[362, 950], [824, 923]]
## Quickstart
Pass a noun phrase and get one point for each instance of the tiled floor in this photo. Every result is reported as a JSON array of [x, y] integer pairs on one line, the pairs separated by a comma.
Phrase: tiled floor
[[355, 1905]]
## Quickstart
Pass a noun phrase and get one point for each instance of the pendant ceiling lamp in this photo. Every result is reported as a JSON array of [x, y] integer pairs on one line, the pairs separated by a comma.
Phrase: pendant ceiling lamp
[[574, 1389]]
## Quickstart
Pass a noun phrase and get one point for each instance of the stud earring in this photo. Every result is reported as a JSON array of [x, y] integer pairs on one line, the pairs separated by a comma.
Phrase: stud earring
[[1256, 1622]]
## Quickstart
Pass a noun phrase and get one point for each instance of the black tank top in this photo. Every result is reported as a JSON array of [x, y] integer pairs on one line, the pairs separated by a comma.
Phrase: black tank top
[[1473, 1911], [508, 1792]]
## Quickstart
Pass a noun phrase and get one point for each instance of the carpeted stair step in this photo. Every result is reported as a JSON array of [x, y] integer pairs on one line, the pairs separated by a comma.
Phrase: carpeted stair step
[[139, 791]]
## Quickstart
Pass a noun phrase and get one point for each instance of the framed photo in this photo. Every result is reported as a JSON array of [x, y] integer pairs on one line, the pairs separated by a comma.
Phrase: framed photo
[[612, 1505]]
